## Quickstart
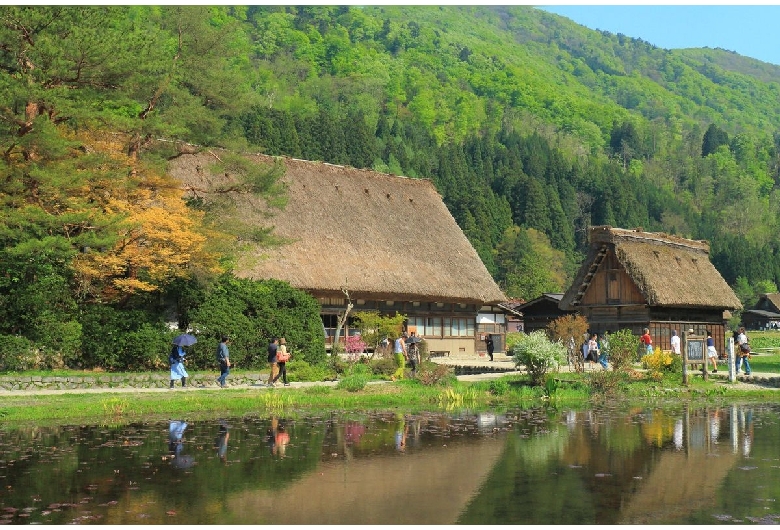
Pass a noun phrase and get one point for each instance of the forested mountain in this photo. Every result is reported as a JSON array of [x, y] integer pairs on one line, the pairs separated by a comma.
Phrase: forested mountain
[[532, 128]]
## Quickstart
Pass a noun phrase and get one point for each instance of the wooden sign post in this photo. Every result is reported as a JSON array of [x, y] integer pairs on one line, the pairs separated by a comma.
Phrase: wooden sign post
[[694, 352]]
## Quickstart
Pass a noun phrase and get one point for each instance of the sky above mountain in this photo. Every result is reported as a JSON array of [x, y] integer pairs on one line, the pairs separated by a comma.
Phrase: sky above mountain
[[749, 30]]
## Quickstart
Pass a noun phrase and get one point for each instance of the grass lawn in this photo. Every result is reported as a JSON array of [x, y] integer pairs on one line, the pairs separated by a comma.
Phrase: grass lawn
[[765, 363]]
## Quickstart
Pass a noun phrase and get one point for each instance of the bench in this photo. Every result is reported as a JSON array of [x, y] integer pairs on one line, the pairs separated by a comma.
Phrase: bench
[[439, 353]]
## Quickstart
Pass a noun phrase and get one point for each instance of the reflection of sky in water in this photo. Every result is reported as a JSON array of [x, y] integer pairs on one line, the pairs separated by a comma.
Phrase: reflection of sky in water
[[600, 466]]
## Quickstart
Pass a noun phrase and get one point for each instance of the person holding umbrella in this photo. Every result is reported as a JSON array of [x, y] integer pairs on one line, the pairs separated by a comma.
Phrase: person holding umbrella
[[176, 358]]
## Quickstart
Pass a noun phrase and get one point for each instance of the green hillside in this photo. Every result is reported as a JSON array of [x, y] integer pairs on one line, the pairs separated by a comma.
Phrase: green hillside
[[532, 128]]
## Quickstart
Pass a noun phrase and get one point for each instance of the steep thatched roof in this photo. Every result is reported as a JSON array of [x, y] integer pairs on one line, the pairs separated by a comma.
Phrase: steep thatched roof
[[380, 236], [773, 300], [668, 270]]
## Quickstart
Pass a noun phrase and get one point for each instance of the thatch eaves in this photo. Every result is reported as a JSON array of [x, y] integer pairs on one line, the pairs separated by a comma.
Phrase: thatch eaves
[[669, 271], [380, 236]]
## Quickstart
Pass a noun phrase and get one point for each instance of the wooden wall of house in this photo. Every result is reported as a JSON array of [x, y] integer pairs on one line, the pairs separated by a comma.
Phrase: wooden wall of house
[[611, 285], [660, 321]]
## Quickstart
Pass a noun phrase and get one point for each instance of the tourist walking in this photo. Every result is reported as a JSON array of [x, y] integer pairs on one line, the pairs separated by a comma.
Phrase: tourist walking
[[712, 353], [743, 352], [604, 349], [593, 349], [176, 360], [675, 340], [489, 344], [281, 362], [223, 358], [647, 342], [399, 351], [273, 348]]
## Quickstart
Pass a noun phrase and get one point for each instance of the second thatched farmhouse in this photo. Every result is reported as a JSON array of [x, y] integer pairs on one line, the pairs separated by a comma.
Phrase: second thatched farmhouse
[[635, 279], [387, 241]]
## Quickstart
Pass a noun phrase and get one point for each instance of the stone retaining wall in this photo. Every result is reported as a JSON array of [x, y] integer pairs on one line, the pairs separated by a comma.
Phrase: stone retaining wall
[[155, 380]]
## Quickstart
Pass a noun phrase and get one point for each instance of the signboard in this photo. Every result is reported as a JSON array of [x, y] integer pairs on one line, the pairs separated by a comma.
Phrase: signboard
[[695, 350]]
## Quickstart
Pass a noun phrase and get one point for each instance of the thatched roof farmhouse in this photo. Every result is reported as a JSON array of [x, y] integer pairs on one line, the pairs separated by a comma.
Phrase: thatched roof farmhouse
[[765, 314], [388, 240], [635, 279]]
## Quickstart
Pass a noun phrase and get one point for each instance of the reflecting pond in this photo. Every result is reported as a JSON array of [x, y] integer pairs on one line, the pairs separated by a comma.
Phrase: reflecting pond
[[655, 465]]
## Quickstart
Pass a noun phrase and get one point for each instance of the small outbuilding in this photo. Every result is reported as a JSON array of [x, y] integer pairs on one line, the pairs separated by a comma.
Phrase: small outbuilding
[[765, 314], [634, 279], [539, 312]]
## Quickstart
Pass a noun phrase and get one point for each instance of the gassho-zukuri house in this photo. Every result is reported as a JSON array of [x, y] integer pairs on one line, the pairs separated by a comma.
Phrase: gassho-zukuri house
[[634, 279], [388, 240]]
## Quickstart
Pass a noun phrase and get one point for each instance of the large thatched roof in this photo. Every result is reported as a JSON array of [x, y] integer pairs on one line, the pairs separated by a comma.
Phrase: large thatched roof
[[668, 270], [380, 236]]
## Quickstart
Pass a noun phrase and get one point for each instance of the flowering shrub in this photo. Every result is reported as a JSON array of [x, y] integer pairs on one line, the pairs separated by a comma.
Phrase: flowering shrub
[[354, 345], [539, 355], [661, 361]]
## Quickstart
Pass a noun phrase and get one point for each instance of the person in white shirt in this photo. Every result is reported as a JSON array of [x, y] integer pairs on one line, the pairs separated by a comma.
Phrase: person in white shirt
[[675, 342]]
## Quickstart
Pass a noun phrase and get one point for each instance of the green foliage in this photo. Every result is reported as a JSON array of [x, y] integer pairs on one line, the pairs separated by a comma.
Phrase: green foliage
[[374, 328], [17, 354], [252, 313], [623, 347], [764, 339], [300, 370], [532, 129], [539, 355], [354, 382], [384, 366]]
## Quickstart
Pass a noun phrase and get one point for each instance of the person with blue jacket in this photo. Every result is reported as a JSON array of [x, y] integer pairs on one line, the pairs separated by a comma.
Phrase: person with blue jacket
[[176, 360]]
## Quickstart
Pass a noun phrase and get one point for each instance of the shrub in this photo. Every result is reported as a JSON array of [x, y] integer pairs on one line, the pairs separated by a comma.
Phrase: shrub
[[126, 339], [539, 355], [658, 361], [251, 313], [354, 346], [623, 346], [383, 366], [498, 387], [16, 354], [430, 374], [353, 383], [303, 371], [566, 327]]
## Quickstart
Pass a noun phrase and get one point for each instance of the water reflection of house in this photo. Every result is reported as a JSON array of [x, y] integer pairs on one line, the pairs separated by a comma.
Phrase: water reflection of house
[[634, 279], [691, 478], [388, 240], [427, 487]]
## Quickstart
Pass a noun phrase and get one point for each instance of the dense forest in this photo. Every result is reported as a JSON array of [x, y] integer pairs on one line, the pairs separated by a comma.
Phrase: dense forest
[[532, 128]]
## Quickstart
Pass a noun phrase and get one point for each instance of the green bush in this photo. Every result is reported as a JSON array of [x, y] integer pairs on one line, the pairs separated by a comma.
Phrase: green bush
[[498, 387], [539, 355], [251, 313], [123, 339], [302, 371], [623, 347], [354, 382], [16, 354], [383, 366]]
